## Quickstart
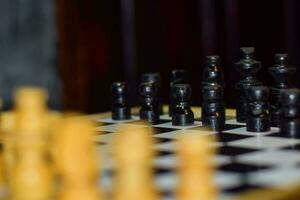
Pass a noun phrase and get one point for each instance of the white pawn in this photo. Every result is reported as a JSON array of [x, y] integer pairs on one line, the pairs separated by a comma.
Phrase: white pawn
[[133, 155], [196, 169], [31, 177], [75, 159]]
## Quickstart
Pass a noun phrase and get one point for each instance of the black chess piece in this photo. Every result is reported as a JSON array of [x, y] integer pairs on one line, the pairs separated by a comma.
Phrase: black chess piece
[[150, 108], [154, 78], [212, 73], [258, 118], [178, 76], [120, 108], [283, 77], [213, 108], [290, 112], [248, 68], [182, 113], [151, 77]]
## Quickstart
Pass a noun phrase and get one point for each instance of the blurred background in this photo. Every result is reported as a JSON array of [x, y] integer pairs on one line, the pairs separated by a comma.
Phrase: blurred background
[[77, 48]]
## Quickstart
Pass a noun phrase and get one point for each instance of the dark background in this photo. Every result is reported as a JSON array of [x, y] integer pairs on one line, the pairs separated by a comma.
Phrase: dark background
[[99, 42], [107, 41]]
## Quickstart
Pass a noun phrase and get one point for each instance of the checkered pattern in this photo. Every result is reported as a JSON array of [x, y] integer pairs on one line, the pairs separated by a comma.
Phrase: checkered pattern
[[245, 160]]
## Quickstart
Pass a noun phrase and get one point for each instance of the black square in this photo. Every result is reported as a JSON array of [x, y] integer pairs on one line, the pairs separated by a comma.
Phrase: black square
[[104, 132], [162, 153], [162, 140], [228, 137], [232, 126], [159, 130], [101, 143], [284, 135], [242, 168], [292, 147], [160, 171], [233, 151], [243, 188]]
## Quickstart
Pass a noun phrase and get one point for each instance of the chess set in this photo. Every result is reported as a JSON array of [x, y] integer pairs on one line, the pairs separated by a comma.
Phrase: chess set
[[157, 151]]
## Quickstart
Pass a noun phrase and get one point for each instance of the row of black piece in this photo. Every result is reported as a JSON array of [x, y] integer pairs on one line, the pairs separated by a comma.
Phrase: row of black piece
[[253, 107]]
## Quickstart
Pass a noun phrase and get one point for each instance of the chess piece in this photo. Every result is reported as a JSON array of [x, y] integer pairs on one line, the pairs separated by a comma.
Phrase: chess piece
[[133, 179], [283, 77], [212, 73], [154, 78], [182, 113], [151, 78], [248, 68], [120, 107], [258, 119], [150, 107], [32, 176], [213, 108], [196, 169], [290, 112], [31, 110], [178, 76], [76, 160]]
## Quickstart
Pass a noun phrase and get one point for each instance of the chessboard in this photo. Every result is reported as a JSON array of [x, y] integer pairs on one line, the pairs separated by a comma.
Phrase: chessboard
[[249, 165]]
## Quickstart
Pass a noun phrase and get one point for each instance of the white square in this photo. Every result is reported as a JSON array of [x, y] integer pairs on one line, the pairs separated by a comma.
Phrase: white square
[[166, 117], [264, 142], [110, 120], [243, 131], [106, 138], [225, 180], [277, 177], [233, 121], [166, 146], [169, 161], [270, 157], [169, 125], [115, 127], [178, 133]]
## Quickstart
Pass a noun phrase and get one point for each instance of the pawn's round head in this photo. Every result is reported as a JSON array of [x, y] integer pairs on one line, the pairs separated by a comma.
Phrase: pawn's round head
[[257, 93], [150, 77], [247, 52], [290, 97], [119, 88], [213, 60], [178, 76], [281, 59], [148, 89], [181, 92], [210, 92]]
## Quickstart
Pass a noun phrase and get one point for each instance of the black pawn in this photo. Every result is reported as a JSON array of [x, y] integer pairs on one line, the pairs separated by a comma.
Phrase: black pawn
[[248, 68], [283, 77], [120, 107], [150, 108], [290, 112], [182, 113], [258, 119], [151, 78], [212, 73], [178, 76], [213, 108], [154, 78]]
